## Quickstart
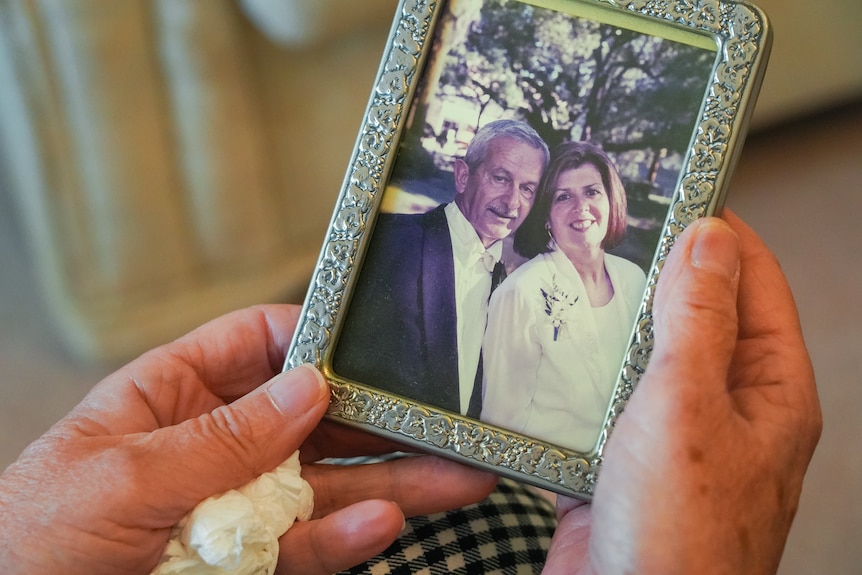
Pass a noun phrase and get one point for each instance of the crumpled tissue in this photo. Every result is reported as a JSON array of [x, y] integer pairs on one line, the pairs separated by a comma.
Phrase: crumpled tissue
[[237, 532]]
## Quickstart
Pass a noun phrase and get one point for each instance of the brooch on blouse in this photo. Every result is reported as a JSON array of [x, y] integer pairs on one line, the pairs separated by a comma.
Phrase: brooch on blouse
[[557, 305]]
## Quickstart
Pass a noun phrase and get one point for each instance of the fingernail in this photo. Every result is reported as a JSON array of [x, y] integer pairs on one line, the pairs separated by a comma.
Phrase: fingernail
[[716, 248], [295, 391]]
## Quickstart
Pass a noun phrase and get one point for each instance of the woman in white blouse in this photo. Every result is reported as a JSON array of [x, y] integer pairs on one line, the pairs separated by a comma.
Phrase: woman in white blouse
[[559, 325]]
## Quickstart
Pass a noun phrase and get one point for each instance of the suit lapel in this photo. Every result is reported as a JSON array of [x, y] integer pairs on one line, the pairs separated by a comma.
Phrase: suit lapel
[[438, 310]]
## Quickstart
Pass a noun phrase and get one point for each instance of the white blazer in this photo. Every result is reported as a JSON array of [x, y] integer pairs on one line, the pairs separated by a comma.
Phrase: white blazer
[[546, 373]]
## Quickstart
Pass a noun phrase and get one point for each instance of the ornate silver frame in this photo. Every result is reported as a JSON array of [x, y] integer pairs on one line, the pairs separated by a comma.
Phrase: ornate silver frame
[[742, 37]]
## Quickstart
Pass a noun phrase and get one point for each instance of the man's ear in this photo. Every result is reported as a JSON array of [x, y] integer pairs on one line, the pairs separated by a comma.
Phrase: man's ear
[[462, 173]]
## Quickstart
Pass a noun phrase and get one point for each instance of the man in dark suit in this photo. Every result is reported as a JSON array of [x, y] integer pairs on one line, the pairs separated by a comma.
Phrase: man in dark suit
[[415, 323]]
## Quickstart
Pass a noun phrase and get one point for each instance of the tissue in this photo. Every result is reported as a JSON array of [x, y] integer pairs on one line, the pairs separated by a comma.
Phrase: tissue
[[237, 532]]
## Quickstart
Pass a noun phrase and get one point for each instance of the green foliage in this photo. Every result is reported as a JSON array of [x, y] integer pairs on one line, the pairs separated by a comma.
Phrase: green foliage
[[573, 78]]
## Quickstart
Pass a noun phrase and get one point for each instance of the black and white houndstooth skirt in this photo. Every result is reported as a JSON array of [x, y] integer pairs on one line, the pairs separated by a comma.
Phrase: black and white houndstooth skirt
[[507, 533]]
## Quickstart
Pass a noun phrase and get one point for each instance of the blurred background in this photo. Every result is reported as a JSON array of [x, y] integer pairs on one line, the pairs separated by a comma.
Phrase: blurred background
[[165, 161]]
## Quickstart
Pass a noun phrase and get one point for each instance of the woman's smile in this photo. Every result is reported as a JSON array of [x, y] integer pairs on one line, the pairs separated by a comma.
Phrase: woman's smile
[[580, 208], [582, 225]]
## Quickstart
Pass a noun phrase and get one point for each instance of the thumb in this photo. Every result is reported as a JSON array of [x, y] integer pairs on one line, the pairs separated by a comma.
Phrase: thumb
[[235, 443], [694, 312], [680, 402]]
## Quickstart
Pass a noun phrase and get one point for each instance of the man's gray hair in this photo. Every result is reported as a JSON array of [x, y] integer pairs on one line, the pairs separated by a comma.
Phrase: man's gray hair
[[515, 129]]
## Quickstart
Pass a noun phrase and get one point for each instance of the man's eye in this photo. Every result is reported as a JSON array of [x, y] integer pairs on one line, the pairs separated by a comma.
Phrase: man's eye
[[528, 192]]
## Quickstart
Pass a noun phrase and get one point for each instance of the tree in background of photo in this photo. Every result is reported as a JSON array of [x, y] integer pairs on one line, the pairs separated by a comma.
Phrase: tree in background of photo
[[637, 96]]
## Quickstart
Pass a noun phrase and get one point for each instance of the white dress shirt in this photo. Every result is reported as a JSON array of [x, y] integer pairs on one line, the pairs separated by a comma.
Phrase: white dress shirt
[[473, 267], [555, 382]]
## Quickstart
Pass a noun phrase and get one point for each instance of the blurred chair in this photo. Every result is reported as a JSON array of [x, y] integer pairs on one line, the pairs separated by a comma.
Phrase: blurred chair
[[175, 159]]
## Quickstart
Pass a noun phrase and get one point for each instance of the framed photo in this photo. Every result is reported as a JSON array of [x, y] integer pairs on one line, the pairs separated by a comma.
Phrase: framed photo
[[485, 287]]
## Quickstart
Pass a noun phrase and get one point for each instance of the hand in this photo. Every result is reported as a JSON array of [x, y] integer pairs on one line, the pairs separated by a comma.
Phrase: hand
[[100, 491], [704, 469]]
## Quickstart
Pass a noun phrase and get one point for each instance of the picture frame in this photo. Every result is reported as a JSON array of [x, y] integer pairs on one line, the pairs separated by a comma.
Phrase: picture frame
[[664, 87]]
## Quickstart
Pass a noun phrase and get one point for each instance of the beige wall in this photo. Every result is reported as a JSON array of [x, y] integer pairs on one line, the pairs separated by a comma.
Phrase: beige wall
[[816, 58]]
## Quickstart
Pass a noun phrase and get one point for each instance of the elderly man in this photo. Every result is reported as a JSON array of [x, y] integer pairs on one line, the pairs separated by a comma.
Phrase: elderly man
[[418, 314]]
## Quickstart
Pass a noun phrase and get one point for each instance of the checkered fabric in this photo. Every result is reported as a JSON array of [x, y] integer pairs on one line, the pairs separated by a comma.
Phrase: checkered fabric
[[507, 533]]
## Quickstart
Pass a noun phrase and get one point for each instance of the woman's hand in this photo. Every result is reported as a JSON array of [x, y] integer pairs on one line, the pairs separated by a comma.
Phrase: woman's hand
[[704, 469], [101, 490]]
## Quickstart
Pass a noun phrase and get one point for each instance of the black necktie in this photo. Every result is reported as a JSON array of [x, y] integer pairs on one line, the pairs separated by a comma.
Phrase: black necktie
[[497, 276], [475, 407]]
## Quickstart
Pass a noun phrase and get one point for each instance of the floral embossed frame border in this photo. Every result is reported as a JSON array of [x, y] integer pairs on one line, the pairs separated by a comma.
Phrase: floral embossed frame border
[[742, 41]]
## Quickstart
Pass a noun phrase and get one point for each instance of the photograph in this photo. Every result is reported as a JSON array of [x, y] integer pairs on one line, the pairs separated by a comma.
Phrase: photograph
[[508, 262], [485, 287]]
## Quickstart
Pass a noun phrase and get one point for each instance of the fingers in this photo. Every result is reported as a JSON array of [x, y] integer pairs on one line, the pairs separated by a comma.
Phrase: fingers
[[766, 305], [717, 386], [234, 353], [419, 485], [771, 344], [728, 343], [568, 552], [695, 307], [235, 443], [340, 540], [333, 439], [767, 310], [359, 510], [214, 364]]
